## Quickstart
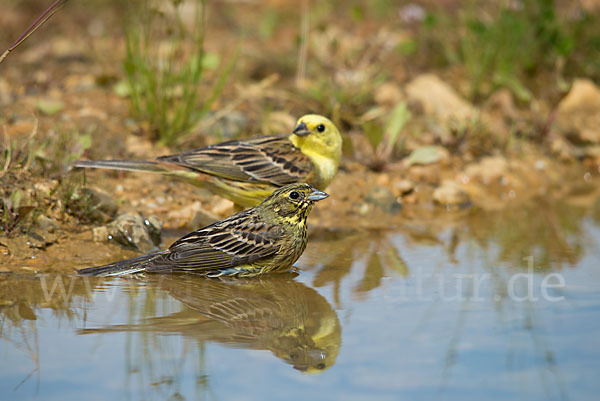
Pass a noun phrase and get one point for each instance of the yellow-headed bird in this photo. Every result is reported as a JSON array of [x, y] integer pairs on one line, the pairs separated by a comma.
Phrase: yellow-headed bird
[[269, 237], [247, 171]]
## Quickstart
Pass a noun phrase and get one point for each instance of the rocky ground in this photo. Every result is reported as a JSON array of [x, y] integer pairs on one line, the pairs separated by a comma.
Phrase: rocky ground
[[60, 101]]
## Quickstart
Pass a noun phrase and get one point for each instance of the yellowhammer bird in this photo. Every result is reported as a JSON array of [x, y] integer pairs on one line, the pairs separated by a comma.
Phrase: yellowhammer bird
[[269, 237], [247, 171], [272, 312]]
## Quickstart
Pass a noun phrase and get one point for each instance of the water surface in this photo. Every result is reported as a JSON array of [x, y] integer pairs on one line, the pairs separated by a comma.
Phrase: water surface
[[502, 306]]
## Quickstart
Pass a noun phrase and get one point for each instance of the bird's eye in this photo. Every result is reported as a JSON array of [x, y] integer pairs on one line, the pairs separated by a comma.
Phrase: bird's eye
[[321, 128], [294, 195]]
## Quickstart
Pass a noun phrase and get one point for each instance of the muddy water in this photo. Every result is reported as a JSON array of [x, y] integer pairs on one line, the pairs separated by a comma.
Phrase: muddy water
[[489, 306]]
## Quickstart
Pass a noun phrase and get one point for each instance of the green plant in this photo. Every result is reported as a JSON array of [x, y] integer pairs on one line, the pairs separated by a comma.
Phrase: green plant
[[25, 162], [165, 65], [383, 135], [48, 157], [510, 45], [13, 213]]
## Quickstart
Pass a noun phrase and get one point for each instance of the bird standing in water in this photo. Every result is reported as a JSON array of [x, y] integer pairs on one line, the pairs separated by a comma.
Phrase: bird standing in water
[[247, 171], [268, 237]]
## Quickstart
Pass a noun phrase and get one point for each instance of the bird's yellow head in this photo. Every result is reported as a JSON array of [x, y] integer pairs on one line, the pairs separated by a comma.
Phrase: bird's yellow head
[[292, 203], [313, 348], [319, 139]]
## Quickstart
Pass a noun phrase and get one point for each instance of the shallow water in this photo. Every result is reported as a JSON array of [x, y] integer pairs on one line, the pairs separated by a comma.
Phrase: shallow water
[[491, 306]]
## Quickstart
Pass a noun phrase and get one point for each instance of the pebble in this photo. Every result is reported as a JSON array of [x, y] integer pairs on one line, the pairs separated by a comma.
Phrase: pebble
[[451, 194], [403, 187], [383, 198]]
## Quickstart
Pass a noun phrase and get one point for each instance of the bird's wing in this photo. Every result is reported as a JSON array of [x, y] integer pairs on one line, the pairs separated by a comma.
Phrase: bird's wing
[[237, 240], [251, 308], [272, 160]]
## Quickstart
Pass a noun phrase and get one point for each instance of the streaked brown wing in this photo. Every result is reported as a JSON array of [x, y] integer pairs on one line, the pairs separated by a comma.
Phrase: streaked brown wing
[[239, 239], [252, 310], [272, 160]]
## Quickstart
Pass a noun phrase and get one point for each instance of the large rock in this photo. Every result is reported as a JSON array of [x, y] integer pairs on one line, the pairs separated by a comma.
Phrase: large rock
[[578, 114], [439, 100]]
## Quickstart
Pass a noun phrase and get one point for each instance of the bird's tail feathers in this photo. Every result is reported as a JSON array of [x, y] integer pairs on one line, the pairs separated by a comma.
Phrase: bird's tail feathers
[[128, 266], [129, 165], [148, 166]]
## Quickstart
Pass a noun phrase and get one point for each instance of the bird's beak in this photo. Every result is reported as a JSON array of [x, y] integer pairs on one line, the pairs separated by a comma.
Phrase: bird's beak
[[317, 195], [301, 129]]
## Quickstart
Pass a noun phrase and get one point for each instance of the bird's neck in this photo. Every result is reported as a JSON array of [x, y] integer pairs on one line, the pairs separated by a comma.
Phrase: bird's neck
[[326, 167], [294, 217], [324, 159]]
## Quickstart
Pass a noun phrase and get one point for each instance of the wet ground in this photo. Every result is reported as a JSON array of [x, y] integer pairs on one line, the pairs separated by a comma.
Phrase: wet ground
[[458, 263], [497, 306]]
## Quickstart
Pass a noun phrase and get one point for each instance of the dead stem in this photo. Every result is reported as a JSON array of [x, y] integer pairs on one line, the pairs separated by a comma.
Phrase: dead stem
[[45, 16]]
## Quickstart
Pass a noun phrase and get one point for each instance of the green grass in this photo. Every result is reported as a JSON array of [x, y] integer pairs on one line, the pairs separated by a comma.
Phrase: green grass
[[166, 67], [502, 47], [383, 134]]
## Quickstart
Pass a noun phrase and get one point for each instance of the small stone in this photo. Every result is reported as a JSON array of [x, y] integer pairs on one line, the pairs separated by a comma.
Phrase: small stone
[[388, 94], [45, 187], [363, 209], [134, 231], [499, 114], [154, 228], [562, 149], [93, 206], [202, 218], [100, 234], [438, 99], [578, 114], [450, 194], [502, 104], [223, 207], [41, 239], [181, 217], [404, 187], [383, 198], [45, 223], [428, 155], [488, 170], [429, 173]]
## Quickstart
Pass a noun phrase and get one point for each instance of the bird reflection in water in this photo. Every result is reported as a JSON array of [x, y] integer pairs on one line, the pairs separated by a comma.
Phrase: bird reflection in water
[[274, 313]]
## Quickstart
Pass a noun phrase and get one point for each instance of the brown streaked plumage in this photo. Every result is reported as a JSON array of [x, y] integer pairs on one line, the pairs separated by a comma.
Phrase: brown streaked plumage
[[272, 312], [247, 171], [269, 237]]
